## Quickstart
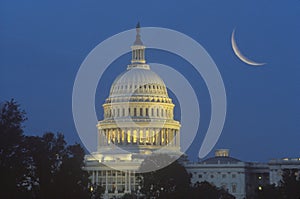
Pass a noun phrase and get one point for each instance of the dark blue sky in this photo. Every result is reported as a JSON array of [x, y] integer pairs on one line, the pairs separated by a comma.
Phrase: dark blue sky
[[43, 43]]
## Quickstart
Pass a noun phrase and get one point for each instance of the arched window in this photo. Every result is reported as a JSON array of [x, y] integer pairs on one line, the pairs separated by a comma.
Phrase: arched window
[[147, 114], [141, 111]]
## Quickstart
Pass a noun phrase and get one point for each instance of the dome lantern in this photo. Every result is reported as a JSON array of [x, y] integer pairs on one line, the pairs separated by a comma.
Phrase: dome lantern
[[138, 49]]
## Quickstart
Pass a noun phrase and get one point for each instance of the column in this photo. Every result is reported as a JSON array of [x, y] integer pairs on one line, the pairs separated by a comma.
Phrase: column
[[163, 137], [129, 188], [125, 136], [177, 138], [104, 138], [114, 135], [152, 137], [131, 137], [108, 136], [106, 181], [168, 137], [93, 177], [145, 136], [125, 182], [116, 182], [158, 141], [132, 55], [133, 180], [173, 137], [140, 54], [117, 135], [122, 136], [171, 141], [97, 178]]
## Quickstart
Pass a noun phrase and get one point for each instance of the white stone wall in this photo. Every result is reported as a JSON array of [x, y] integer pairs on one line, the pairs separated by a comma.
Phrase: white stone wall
[[229, 176]]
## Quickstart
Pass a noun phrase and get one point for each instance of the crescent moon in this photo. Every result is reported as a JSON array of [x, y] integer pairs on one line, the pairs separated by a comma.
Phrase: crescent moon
[[238, 53]]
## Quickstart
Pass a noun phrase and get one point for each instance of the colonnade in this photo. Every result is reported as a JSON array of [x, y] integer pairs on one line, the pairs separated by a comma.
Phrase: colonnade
[[115, 181], [133, 136], [138, 54], [157, 112]]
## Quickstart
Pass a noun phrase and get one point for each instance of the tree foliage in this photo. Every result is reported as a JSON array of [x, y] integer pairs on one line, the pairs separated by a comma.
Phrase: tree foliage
[[173, 182], [11, 154], [289, 187], [38, 167], [172, 179], [205, 190]]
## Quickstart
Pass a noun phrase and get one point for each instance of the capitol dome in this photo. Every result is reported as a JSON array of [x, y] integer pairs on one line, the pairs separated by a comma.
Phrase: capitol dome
[[138, 113], [138, 82]]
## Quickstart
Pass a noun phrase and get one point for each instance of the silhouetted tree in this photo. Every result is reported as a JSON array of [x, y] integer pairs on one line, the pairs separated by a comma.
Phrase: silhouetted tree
[[12, 118], [289, 187], [205, 190], [71, 179], [270, 191], [38, 167], [56, 169], [129, 196], [290, 184], [171, 181]]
